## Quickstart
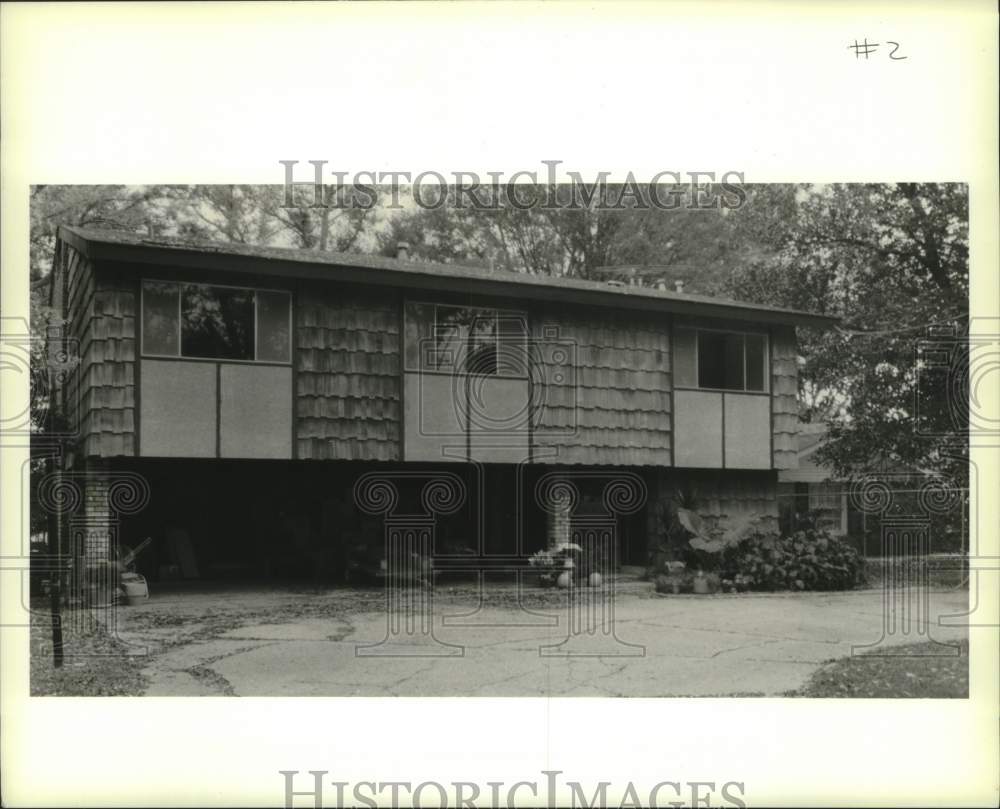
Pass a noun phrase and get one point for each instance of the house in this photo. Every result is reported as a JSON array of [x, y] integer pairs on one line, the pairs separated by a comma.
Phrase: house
[[248, 391], [811, 487]]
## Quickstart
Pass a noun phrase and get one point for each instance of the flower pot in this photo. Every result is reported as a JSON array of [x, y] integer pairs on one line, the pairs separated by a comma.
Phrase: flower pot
[[565, 579], [594, 580], [136, 589], [701, 586]]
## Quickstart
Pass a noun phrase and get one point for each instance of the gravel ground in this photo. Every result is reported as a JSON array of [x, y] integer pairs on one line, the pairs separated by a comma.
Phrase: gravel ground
[[94, 664]]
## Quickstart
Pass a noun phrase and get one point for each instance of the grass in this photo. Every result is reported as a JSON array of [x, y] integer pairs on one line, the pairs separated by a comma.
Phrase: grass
[[94, 665], [916, 671]]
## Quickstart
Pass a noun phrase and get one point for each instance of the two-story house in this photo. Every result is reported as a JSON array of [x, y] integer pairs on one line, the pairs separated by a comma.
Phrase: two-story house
[[252, 387]]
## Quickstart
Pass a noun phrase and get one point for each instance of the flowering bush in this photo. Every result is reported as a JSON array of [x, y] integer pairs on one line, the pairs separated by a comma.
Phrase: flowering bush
[[542, 559], [551, 562], [805, 560]]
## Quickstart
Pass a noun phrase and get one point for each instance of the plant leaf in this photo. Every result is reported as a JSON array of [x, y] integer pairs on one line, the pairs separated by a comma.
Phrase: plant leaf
[[691, 522]]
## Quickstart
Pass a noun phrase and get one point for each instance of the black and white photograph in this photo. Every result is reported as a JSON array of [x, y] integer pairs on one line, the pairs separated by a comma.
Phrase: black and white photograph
[[625, 442], [484, 404]]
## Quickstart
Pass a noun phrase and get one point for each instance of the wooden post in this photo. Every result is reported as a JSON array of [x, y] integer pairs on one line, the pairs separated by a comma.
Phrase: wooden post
[[54, 466]]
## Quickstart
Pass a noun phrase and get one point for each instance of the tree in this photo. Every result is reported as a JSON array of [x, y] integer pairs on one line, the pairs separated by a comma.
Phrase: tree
[[340, 225], [892, 261], [586, 240], [111, 207], [231, 213]]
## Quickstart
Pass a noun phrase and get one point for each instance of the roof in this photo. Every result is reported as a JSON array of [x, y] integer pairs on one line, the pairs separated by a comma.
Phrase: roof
[[113, 245], [811, 436]]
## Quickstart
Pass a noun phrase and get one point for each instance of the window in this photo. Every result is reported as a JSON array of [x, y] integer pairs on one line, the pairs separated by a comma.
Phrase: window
[[720, 360], [215, 322], [731, 360], [466, 339], [160, 318]]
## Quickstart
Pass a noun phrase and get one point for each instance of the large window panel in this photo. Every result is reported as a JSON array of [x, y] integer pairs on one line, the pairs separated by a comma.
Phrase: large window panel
[[466, 339], [733, 361], [202, 321]]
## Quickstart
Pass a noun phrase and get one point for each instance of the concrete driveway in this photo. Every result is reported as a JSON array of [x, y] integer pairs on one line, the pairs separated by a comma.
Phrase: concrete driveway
[[270, 643]]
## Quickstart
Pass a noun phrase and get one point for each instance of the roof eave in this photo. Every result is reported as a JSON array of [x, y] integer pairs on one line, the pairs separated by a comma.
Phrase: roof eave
[[386, 276]]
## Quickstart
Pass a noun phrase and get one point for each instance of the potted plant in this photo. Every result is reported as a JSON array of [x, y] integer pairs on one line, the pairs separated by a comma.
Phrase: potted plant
[[673, 580], [544, 563], [569, 557], [567, 574], [709, 546]]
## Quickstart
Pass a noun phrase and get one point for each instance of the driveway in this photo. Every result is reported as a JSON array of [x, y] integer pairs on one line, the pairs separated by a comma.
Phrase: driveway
[[280, 643]]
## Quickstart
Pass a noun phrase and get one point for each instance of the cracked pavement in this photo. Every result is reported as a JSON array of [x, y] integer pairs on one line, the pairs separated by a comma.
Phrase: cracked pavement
[[268, 643]]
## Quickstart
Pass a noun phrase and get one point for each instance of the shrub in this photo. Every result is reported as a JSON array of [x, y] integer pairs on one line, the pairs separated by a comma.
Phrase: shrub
[[711, 542], [809, 559]]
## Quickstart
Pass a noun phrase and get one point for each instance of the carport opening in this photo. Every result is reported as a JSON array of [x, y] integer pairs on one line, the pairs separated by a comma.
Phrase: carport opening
[[260, 522]]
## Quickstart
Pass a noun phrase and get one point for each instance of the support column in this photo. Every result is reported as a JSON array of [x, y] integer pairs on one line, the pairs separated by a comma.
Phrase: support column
[[91, 501], [590, 613]]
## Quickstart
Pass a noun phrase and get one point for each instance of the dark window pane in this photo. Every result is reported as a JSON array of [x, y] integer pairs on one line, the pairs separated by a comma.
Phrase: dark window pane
[[451, 333], [755, 362], [160, 316], [273, 338], [711, 354], [419, 348], [513, 357], [684, 352], [217, 322], [720, 360], [734, 361], [483, 343]]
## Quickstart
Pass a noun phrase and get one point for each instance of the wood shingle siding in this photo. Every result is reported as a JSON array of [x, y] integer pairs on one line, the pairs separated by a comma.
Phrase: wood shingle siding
[[599, 390], [784, 398], [613, 407], [100, 393], [347, 362]]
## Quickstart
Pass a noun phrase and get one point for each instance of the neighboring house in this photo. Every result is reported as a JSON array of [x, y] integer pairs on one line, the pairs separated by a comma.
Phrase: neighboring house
[[252, 387], [809, 486]]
